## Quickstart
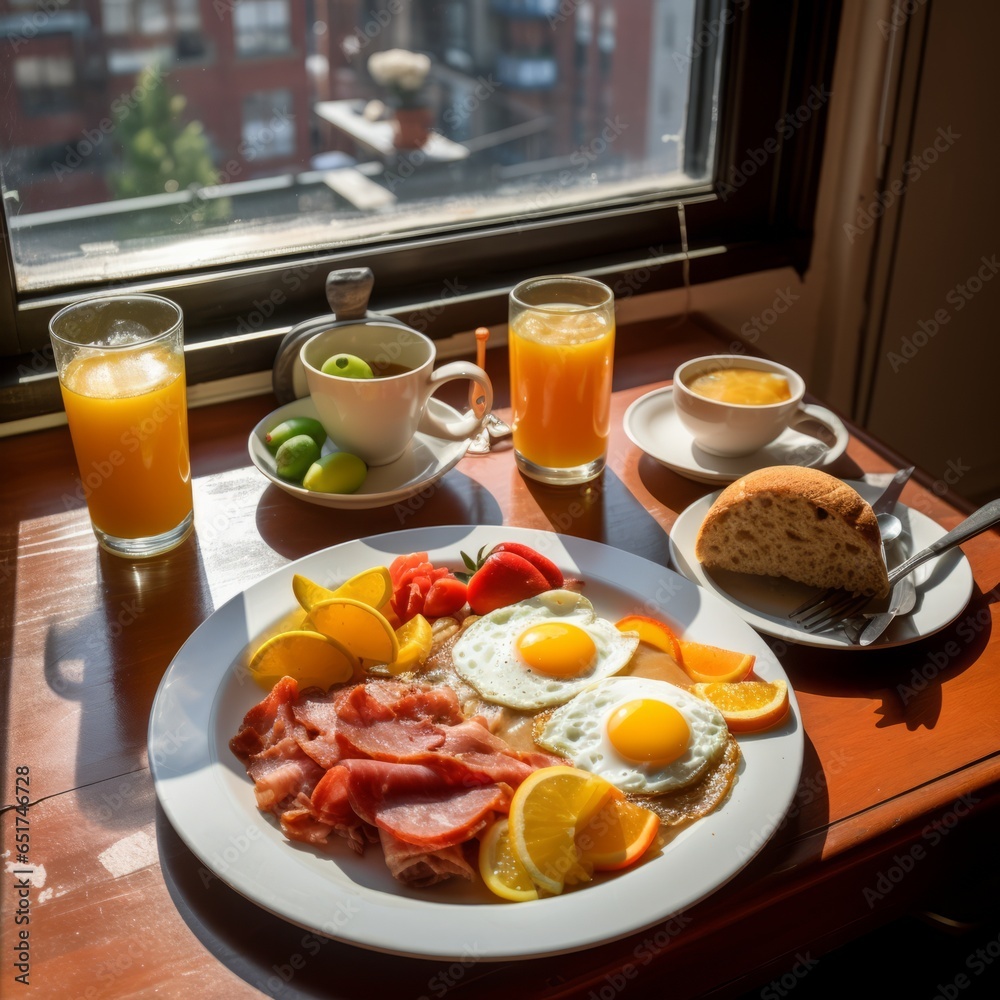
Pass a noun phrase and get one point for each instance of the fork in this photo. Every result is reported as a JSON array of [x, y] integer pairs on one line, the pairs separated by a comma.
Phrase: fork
[[845, 606]]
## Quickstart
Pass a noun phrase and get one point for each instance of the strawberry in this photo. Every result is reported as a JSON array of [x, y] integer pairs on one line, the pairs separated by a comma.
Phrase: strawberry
[[544, 565], [420, 588], [504, 578], [447, 594]]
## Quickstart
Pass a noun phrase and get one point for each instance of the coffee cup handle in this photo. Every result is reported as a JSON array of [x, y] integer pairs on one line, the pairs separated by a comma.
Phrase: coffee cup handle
[[470, 422], [836, 434]]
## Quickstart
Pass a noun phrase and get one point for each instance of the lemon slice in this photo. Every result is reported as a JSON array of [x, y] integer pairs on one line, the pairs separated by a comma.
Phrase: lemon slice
[[358, 627], [415, 639], [314, 660], [545, 813], [499, 866], [371, 586]]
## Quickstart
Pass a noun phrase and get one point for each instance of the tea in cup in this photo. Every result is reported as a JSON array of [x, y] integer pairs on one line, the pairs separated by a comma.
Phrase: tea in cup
[[375, 417], [734, 405]]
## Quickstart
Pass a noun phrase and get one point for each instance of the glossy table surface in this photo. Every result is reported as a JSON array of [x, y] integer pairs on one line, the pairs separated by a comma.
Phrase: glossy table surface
[[899, 781]]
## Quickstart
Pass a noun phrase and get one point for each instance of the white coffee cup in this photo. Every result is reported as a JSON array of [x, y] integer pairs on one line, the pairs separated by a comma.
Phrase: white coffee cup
[[376, 418], [733, 429]]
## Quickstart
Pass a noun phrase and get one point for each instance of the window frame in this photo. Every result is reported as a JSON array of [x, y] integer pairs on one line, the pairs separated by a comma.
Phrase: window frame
[[752, 216]]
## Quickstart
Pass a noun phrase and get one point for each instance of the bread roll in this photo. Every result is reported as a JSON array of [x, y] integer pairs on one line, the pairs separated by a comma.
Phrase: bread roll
[[798, 523]]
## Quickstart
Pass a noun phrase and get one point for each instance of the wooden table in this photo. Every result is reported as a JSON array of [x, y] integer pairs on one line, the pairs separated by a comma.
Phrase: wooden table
[[899, 786]]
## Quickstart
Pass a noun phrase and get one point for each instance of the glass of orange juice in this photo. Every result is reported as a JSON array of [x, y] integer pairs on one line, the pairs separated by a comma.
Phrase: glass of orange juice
[[120, 360], [561, 343]]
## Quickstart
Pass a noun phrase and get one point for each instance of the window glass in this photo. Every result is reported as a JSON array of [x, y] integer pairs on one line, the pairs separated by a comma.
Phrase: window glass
[[155, 137]]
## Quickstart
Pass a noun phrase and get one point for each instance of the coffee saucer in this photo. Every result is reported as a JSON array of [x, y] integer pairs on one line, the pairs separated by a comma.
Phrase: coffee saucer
[[425, 461], [652, 423]]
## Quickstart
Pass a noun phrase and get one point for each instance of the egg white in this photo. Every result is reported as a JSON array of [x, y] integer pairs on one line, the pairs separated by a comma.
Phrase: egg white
[[486, 655], [579, 730]]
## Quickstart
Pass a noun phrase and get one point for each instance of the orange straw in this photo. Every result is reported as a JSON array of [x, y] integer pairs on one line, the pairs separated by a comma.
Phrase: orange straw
[[477, 394]]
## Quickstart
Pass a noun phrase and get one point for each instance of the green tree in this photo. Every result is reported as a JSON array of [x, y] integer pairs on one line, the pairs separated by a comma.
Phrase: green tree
[[160, 152]]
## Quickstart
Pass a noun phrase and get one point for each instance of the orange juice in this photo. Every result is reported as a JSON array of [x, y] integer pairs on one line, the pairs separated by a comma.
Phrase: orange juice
[[560, 374], [127, 415]]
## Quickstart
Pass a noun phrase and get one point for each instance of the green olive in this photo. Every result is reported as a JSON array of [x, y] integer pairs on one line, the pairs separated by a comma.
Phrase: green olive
[[295, 456], [292, 427], [339, 472], [347, 366]]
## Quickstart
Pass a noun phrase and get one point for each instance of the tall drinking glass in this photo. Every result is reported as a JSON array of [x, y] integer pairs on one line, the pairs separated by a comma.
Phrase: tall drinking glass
[[120, 360], [561, 343]]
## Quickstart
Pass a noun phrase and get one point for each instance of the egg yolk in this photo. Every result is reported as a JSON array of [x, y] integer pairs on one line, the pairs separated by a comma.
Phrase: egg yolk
[[647, 731], [556, 649]]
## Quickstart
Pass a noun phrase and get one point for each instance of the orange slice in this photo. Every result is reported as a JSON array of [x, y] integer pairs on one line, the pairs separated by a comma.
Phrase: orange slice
[[653, 631], [371, 586], [617, 835], [312, 659], [415, 639], [499, 866], [747, 706], [545, 813], [711, 663], [356, 626]]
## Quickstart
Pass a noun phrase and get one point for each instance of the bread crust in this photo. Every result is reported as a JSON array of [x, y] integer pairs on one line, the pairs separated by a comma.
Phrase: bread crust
[[788, 498]]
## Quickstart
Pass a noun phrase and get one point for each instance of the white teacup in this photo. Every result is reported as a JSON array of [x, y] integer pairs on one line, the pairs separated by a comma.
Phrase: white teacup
[[376, 418], [732, 429]]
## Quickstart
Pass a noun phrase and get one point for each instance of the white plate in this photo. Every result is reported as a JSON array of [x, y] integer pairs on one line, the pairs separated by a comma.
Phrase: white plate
[[425, 461], [208, 798], [652, 424], [944, 584]]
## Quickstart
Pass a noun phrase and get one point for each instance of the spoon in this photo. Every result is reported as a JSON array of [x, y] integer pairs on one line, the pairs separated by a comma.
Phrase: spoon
[[494, 427], [889, 527]]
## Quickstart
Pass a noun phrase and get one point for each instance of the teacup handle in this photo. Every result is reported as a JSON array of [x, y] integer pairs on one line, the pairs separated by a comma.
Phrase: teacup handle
[[470, 422], [811, 412]]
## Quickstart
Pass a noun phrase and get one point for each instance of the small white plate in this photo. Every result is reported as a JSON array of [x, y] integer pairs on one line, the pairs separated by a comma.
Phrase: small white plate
[[424, 462], [944, 584], [652, 424], [206, 795]]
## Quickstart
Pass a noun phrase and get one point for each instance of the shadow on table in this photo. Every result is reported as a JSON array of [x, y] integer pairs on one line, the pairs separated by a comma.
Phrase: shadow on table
[[294, 528]]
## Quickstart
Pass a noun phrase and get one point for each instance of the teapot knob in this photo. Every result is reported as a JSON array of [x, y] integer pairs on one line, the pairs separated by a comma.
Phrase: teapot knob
[[348, 291]]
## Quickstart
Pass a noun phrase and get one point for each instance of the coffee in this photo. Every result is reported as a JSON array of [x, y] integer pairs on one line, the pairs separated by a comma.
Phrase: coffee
[[744, 386], [386, 369]]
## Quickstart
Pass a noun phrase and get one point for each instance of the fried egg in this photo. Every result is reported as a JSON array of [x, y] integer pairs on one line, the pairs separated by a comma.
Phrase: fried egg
[[643, 735], [540, 652]]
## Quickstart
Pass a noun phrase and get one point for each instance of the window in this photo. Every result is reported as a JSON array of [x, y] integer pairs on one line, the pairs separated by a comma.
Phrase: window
[[44, 83], [613, 113], [268, 125], [149, 17], [261, 26]]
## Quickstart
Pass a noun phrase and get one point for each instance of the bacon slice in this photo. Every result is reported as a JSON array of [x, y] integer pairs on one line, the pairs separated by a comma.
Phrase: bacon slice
[[382, 760], [417, 804], [421, 868]]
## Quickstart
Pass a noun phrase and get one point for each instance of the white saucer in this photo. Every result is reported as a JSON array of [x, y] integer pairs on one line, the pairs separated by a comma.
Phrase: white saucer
[[424, 462], [652, 424], [944, 584]]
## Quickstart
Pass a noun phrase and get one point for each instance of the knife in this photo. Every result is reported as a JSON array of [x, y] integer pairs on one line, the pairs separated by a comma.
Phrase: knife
[[904, 596], [886, 503]]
